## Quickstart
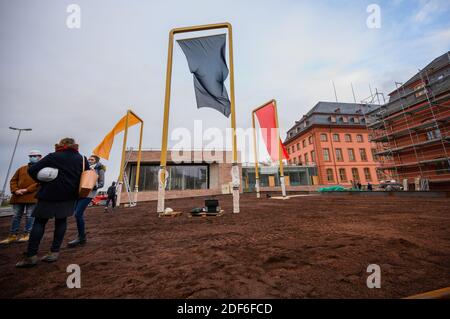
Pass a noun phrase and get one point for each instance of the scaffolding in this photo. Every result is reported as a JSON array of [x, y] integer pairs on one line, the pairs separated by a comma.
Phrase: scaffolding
[[412, 129]]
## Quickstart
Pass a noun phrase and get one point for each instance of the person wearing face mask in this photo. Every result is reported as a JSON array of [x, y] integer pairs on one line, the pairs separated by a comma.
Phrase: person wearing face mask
[[23, 190], [82, 204]]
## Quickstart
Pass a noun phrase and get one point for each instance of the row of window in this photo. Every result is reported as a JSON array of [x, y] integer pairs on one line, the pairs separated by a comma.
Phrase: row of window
[[324, 138], [332, 119], [338, 153], [331, 177]]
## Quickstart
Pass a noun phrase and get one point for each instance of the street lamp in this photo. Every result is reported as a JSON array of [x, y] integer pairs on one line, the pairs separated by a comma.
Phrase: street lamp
[[12, 158]]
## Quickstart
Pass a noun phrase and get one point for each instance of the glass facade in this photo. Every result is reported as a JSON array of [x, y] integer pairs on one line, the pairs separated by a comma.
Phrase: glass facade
[[298, 175], [181, 177]]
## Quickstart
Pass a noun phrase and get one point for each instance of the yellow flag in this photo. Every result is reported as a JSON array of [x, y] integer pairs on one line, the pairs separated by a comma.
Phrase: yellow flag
[[102, 150]]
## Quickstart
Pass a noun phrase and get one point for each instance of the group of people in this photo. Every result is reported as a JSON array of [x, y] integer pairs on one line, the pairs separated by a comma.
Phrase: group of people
[[39, 201], [357, 185]]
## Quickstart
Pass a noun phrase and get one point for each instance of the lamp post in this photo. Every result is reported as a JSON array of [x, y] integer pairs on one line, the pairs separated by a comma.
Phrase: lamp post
[[12, 158]]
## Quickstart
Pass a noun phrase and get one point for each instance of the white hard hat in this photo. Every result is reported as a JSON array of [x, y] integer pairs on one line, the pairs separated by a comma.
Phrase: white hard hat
[[35, 153], [47, 174]]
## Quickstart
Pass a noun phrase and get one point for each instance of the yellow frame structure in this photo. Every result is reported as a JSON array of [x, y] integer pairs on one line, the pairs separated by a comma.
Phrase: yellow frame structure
[[163, 161], [280, 149], [122, 162]]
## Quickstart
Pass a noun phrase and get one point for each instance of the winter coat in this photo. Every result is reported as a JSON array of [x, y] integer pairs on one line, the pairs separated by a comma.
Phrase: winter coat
[[66, 185], [22, 180]]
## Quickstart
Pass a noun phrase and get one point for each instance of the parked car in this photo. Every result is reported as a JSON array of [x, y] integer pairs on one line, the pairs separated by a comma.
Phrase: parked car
[[99, 199], [390, 186]]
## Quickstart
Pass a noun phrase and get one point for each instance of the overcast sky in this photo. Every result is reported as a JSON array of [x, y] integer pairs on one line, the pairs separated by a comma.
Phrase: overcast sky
[[79, 82]]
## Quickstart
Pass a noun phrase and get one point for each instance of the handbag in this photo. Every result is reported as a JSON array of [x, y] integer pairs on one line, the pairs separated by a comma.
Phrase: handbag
[[88, 181]]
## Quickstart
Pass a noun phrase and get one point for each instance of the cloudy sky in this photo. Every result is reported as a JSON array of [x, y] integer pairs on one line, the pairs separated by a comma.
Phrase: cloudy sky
[[79, 82]]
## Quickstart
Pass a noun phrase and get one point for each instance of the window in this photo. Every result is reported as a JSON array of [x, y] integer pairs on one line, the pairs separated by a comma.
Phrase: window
[[363, 154], [306, 159], [433, 134], [295, 160], [348, 137], [333, 119], [420, 89], [359, 138], [299, 160], [351, 155], [313, 156], [310, 140], [323, 137], [326, 154], [342, 175], [330, 175], [339, 156], [356, 120], [374, 156], [293, 149], [345, 119], [367, 174], [379, 175], [181, 177], [298, 146], [355, 174], [336, 138], [304, 143], [289, 150], [442, 168]]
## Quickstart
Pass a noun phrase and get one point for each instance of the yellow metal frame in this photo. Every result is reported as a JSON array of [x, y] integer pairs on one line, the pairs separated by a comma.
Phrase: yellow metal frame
[[163, 160], [280, 149], [124, 146]]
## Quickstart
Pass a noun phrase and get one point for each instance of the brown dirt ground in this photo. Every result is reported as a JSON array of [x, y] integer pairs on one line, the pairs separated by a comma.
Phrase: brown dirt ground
[[305, 247]]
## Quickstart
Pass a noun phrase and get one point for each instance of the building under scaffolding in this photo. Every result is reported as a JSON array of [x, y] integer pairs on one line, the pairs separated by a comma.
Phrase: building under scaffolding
[[412, 131]]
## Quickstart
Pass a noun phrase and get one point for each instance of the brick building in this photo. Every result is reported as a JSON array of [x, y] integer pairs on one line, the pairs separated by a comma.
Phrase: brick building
[[334, 137], [412, 130]]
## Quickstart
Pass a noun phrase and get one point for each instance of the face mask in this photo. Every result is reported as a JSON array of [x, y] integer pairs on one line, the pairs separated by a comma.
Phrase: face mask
[[34, 160]]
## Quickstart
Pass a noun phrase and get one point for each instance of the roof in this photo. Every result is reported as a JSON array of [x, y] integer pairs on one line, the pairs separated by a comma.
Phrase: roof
[[436, 64], [321, 113], [344, 108]]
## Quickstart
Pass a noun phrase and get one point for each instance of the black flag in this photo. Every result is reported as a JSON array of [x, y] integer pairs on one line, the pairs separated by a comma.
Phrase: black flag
[[206, 60]]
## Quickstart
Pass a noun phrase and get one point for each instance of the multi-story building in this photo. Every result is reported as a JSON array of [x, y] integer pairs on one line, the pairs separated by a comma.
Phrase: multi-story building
[[334, 137], [413, 128]]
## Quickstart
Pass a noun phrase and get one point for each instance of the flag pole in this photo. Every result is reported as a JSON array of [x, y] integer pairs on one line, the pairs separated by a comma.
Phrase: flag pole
[[138, 168], [280, 152], [255, 152], [235, 168], [122, 162], [163, 159]]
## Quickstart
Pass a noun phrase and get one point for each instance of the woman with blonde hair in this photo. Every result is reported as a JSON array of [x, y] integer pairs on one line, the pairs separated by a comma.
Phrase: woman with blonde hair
[[56, 198]]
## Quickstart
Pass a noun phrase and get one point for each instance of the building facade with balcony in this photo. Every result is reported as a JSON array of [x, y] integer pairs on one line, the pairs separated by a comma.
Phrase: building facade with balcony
[[334, 138]]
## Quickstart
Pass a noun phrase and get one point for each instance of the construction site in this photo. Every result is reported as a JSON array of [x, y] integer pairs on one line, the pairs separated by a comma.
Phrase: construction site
[[411, 130]]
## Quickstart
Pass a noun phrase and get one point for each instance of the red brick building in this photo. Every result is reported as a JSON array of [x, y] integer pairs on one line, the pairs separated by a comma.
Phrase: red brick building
[[334, 137], [412, 130]]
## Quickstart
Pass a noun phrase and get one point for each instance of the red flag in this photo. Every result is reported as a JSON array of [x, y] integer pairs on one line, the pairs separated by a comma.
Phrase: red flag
[[266, 118]]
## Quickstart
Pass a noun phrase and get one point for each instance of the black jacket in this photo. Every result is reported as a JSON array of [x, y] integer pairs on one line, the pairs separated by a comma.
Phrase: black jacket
[[111, 191], [66, 185]]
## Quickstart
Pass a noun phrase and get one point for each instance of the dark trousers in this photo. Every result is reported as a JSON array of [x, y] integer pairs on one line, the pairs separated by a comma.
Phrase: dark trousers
[[38, 231], [81, 206], [112, 200]]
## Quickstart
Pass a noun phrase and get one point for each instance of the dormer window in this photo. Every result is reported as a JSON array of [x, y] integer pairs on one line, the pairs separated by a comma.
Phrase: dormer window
[[333, 119], [345, 119], [356, 120]]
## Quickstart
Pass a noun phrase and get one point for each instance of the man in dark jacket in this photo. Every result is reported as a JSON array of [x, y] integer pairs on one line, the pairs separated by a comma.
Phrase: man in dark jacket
[[56, 198], [23, 190], [111, 192]]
